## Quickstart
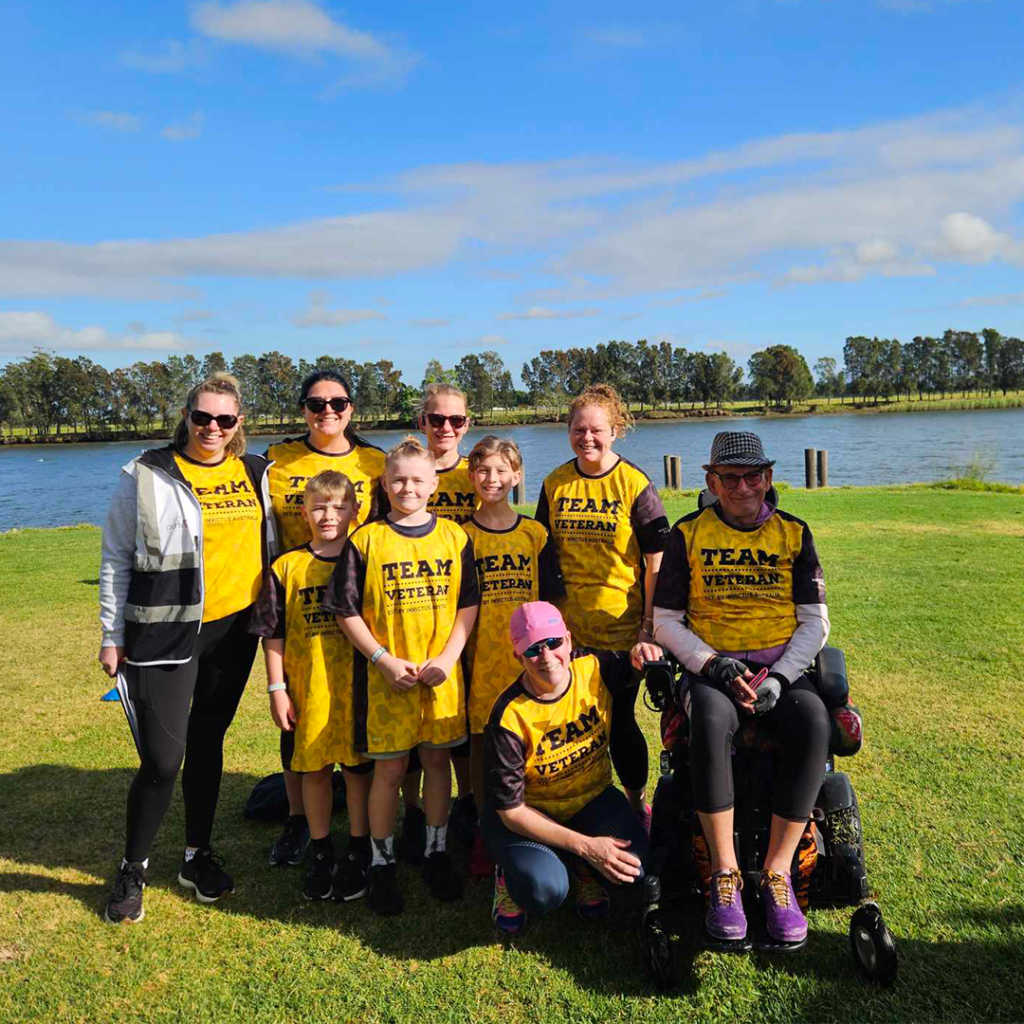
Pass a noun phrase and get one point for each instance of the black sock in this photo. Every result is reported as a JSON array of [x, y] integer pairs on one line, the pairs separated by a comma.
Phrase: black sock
[[359, 844], [295, 819], [325, 846]]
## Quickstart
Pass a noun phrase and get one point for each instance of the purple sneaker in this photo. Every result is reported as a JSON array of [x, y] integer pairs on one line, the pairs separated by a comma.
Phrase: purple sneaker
[[782, 915], [725, 918]]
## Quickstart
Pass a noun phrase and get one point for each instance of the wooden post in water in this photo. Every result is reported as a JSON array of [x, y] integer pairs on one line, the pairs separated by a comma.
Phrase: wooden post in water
[[519, 490], [811, 468], [823, 467], [673, 472]]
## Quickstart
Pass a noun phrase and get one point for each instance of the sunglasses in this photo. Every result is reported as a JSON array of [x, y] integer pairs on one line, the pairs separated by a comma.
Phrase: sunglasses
[[318, 405], [204, 419], [437, 421], [732, 480], [552, 644]]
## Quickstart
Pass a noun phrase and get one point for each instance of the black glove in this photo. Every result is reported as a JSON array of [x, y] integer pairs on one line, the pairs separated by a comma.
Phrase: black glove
[[724, 670], [767, 694]]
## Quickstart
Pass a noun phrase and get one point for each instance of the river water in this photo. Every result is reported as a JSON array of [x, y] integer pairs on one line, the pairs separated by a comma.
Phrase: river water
[[53, 485]]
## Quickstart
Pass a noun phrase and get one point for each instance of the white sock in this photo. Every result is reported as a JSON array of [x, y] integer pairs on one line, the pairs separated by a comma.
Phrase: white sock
[[144, 863], [383, 851], [190, 852], [437, 838]]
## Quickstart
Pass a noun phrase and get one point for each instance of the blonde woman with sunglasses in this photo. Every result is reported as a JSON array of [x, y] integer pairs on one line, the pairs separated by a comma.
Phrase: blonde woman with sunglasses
[[185, 544]]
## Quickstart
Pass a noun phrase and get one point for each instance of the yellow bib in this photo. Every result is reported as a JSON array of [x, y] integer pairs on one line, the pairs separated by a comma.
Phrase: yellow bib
[[455, 497]]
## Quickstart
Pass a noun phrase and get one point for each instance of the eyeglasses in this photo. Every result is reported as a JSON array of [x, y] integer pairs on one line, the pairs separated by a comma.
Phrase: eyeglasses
[[552, 644], [317, 405], [204, 419], [437, 421], [732, 480]]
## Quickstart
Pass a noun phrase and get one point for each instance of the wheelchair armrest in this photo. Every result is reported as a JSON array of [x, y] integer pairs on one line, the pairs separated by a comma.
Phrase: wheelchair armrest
[[833, 686]]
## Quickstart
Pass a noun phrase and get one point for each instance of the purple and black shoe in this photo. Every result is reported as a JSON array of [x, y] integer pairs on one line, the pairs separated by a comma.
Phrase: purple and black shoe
[[782, 914], [725, 919]]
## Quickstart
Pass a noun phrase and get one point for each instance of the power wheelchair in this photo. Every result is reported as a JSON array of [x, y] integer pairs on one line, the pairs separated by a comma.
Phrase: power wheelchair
[[829, 866]]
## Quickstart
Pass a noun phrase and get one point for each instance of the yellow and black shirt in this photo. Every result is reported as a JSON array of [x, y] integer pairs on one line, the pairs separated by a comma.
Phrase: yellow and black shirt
[[407, 583], [296, 461], [455, 498], [740, 587], [602, 527], [317, 657], [513, 566], [552, 755], [232, 534]]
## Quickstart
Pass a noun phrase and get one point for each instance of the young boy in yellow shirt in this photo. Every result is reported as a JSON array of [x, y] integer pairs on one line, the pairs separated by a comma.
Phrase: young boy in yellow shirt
[[309, 677], [405, 593]]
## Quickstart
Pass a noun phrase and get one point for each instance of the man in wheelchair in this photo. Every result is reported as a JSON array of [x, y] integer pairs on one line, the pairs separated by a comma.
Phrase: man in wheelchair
[[740, 603]]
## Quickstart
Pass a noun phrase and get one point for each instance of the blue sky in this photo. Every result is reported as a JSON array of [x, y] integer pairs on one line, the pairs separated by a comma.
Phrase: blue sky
[[415, 181]]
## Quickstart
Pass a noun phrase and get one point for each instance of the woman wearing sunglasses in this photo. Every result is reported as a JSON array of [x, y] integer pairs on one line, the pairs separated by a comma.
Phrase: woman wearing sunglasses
[[325, 399], [185, 544], [551, 810]]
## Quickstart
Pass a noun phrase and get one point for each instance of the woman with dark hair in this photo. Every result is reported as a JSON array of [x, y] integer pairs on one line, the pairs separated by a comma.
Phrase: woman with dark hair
[[325, 398], [185, 543]]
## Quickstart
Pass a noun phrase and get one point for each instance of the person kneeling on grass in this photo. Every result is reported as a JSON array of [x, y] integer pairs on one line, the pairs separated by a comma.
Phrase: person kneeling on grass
[[549, 793], [309, 679], [406, 595]]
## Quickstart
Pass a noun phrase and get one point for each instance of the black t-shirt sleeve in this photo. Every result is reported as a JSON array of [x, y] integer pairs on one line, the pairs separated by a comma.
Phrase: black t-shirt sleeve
[[650, 523], [344, 595], [267, 617], [543, 513], [469, 590], [549, 572], [616, 671], [504, 767], [808, 578], [673, 588]]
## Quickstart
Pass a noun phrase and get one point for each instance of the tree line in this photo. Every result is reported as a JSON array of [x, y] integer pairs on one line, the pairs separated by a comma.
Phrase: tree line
[[47, 393]]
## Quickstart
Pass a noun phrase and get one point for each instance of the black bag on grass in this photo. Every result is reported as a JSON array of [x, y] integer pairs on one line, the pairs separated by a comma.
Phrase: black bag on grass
[[269, 799]]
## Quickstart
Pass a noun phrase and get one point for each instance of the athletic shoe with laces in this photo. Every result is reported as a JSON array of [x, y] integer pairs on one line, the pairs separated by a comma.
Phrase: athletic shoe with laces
[[412, 844], [353, 876], [592, 901], [782, 914], [319, 884], [505, 912], [385, 896], [206, 875], [480, 864], [463, 821], [125, 903], [439, 872], [291, 845], [725, 919]]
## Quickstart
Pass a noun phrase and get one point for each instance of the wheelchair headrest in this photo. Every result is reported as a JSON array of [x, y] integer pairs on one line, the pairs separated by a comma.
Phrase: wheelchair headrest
[[705, 499]]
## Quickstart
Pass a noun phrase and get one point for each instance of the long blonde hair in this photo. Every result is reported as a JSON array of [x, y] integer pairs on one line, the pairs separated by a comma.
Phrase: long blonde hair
[[218, 384], [436, 390]]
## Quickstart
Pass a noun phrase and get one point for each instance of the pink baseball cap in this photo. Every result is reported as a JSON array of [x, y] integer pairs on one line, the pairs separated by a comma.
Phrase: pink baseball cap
[[535, 621]]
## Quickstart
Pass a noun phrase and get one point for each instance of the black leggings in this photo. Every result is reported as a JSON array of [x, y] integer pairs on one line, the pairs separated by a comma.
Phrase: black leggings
[[627, 743], [800, 724], [185, 711]]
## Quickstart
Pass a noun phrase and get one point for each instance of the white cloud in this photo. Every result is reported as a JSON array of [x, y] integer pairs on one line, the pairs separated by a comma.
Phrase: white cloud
[[112, 120], [876, 250], [316, 314], [173, 57], [430, 321], [973, 240], [195, 315], [304, 29], [190, 128], [484, 341], [21, 332], [992, 301], [704, 295], [544, 313]]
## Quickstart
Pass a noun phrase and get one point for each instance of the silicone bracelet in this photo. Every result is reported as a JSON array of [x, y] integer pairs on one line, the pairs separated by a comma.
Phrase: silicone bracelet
[[274, 687], [377, 655]]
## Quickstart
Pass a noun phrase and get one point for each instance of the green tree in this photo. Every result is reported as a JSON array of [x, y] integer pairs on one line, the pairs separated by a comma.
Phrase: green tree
[[213, 363], [278, 383], [780, 375]]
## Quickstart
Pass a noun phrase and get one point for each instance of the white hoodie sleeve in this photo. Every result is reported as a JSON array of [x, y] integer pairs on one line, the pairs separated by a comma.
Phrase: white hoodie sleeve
[[117, 559]]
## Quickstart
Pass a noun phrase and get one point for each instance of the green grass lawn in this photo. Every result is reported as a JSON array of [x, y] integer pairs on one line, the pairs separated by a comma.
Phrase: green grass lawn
[[925, 595]]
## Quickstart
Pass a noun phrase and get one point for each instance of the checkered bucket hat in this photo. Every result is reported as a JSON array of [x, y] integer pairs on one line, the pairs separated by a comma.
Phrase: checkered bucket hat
[[738, 448]]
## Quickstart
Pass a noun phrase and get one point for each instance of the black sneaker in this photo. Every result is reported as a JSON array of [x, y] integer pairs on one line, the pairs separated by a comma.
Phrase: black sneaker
[[353, 876], [439, 872], [463, 820], [320, 878], [125, 903], [385, 896], [412, 844], [292, 843], [206, 875]]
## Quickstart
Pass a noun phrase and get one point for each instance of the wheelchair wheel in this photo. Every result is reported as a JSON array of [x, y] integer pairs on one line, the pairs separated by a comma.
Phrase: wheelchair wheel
[[656, 948], [872, 944]]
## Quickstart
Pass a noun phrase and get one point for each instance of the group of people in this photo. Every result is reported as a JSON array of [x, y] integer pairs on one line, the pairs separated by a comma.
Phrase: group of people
[[416, 623]]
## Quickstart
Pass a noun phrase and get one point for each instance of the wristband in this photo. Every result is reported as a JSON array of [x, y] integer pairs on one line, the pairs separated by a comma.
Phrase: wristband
[[377, 655], [274, 687]]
